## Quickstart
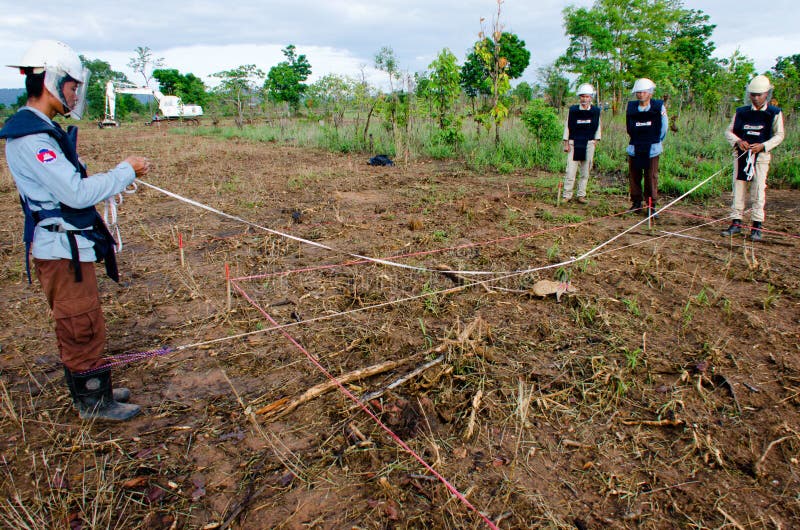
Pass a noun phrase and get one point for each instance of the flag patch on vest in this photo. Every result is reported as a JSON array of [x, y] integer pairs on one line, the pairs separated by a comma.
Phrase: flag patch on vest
[[45, 155]]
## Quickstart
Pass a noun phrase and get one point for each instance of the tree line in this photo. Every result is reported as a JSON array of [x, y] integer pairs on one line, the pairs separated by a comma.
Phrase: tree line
[[610, 44]]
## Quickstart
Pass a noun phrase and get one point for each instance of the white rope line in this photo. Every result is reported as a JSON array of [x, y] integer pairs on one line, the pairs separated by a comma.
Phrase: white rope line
[[314, 243], [423, 295]]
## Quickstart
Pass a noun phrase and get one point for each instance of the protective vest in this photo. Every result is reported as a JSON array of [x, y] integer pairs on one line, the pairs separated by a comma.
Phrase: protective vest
[[644, 129], [582, 125], [754, 127], [87, 220]]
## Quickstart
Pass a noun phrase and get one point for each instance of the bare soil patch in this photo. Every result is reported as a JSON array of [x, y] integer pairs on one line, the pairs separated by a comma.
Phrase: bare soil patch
[[662, 393]]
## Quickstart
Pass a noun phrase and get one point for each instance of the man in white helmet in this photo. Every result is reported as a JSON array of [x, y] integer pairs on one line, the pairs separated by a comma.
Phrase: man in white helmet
[[581, 134], [647, 124], [755, 130], [63, 231]]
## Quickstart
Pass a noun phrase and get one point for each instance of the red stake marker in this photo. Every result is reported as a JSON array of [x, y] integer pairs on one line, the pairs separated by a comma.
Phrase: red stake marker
[[180, 247]]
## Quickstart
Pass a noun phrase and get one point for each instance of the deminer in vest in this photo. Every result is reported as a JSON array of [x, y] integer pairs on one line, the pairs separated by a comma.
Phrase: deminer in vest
[[647, 124], [63, 232], [581, 134], [755, 130]]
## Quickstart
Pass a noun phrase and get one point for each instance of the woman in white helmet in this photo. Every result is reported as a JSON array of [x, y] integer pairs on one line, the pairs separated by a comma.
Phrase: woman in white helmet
[[581, 134], [647, 124], [754, 131], [63, 231]]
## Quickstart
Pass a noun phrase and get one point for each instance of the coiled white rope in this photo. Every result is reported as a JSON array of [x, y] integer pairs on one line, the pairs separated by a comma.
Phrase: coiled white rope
[[110, 214]]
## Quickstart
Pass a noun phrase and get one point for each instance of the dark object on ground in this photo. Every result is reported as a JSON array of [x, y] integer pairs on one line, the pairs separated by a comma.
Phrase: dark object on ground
[[380, 160]]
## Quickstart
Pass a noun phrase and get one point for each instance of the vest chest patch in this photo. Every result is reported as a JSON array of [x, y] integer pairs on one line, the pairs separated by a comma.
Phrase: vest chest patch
[[644, 123]]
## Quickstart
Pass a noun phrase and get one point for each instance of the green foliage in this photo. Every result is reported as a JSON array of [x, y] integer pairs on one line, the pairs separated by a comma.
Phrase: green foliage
[[285, 80], [556, 85], [443, 89], [144, 62], [188, 87], [101, 73], [542, 121], [237, 89]]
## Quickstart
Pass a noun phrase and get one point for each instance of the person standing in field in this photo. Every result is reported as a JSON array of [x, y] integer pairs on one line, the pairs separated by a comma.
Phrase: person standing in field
[[647, 124], [581, 134], [754, 131], [63, 230]]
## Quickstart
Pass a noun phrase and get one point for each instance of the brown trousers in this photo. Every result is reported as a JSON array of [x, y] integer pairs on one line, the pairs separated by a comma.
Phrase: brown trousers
[[80, 326], [650, 178]]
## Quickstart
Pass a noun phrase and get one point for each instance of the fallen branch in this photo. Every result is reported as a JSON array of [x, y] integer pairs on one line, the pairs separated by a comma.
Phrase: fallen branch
[[414, 373], [281, 407]]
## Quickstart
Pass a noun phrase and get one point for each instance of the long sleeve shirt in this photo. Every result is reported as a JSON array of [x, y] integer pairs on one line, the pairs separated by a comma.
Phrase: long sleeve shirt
[[45, 178]]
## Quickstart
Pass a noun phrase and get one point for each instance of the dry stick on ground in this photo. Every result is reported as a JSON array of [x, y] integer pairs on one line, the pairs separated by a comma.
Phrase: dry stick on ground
[[761, 460], [282, 407], [476, 403], [397, 382], [730, 519]]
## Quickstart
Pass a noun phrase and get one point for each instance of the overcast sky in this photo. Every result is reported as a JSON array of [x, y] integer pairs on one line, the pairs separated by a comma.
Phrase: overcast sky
[[339, 36]]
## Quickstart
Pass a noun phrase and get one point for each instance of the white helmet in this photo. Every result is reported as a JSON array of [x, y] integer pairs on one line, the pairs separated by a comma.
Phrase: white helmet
[[759, 84], [586, 89], [59, 63], [643, 85]]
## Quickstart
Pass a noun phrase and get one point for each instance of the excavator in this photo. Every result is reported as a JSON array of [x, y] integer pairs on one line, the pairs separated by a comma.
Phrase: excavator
[[170, 107]]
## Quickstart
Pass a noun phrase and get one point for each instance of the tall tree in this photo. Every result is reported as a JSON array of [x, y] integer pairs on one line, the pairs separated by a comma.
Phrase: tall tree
[[285, 81], [144, 63], [238, 88], [786, 78], [615, 41], [101, 73], [443, 87], [489, 51]]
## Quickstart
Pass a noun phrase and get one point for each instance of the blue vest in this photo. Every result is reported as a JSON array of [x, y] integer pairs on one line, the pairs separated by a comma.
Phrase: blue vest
[[87, 220]]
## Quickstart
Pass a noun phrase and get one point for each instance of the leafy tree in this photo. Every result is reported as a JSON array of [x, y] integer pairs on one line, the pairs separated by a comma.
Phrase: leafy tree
[[615, 41], [101, 73], [386, 61], [786, 78], [555, 84], [542, 121], [443, 88], [690, 53], [285, 81], [144, 62], [238, 87], [523, 92], [725, 90], [189, 87], [489, 51], [331, 93]]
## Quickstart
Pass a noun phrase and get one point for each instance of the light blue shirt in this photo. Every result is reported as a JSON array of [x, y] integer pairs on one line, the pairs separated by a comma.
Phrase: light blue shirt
[[43, 175], [658, 148]]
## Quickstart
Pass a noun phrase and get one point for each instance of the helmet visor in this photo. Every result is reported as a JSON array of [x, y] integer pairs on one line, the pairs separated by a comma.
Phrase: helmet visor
[[59, 84]]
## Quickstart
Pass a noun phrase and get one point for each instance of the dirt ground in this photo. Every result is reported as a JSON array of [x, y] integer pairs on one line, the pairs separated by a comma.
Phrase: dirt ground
[[663, 392]]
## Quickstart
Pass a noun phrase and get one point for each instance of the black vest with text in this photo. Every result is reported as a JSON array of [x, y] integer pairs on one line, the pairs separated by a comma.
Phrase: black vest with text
[[644, 129], [582, 126], [87, 220], [754, 127]]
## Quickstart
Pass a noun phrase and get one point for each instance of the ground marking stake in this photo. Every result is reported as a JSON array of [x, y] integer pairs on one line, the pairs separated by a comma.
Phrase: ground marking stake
[[180, 247], [228, 285], [558, 197]]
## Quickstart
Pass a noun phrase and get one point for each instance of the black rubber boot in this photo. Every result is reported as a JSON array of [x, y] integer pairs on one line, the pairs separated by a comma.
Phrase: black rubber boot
[[94, 398], [755, 232], [735, 228], [123, 395], [635, 207]]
